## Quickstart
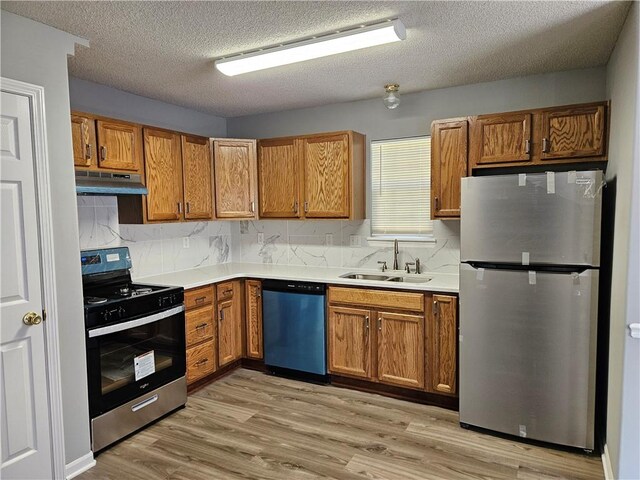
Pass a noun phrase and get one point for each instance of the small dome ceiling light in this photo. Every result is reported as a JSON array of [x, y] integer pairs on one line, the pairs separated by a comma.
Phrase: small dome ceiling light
[[391, 97]]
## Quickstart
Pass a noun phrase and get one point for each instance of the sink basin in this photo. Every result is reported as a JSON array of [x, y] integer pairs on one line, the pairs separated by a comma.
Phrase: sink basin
[[386, 278], [412, 279], [367, 276]]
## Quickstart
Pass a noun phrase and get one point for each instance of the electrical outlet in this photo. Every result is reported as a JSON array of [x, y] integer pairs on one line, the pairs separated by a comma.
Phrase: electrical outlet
[[328, 239], [355, 241], [260, 238], [185, 242]]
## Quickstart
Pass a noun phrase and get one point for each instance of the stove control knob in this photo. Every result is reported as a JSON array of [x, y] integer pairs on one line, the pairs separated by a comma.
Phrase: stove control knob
[[121, 312]]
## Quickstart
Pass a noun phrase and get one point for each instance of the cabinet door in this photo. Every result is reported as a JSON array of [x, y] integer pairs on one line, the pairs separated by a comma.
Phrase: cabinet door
[[229, 331], [448, 166], [163, 171], [442, 345], [119, 146], [235, 178], [573, 132], [326, 176], [349, 341], [83, 133], [401, 349], [253, 299], [197, 174], [278, 178], [500, 138]]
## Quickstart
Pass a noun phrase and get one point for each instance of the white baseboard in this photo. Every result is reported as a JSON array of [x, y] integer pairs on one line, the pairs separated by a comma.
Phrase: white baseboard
[[606, 464], [79, 465]]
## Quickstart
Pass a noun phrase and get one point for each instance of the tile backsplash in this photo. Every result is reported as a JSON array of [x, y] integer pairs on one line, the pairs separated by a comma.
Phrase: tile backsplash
[[154, 248], [330, 243]]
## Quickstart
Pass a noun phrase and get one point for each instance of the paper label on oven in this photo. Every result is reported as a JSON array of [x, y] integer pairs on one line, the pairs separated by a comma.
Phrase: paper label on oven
[[144, 365]]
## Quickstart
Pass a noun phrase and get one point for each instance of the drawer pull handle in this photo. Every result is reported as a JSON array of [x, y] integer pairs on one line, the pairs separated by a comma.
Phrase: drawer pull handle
[[201, 325], [199, 363], [227, 292], [200, 299]]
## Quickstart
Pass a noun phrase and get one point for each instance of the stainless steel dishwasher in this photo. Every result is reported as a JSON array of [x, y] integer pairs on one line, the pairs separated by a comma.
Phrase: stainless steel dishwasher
[[294, 327]]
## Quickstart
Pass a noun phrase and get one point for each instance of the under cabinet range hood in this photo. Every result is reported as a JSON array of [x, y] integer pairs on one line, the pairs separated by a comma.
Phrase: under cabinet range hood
[[103, 183]]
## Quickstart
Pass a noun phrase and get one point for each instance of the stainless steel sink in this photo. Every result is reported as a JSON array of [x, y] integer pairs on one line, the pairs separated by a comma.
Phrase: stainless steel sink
[[367, 276], [386, 278]]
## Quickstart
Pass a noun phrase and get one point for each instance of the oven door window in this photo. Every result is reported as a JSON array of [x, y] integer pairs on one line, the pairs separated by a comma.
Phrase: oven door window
[[127, 363]]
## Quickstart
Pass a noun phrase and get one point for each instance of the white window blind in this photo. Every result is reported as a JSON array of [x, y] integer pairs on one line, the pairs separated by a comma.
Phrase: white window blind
[[400, 187]]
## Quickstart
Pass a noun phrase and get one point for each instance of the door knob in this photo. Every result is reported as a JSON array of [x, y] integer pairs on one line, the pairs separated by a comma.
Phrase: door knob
[[32, 318]]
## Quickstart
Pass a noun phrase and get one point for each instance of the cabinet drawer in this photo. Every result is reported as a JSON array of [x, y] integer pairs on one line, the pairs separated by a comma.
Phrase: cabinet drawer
[[199, 325], [225, 291], [198, 297], [200, 361], [413, 302]]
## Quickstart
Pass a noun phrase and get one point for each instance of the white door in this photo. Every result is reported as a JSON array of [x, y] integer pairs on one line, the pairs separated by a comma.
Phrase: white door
[[26, 436]]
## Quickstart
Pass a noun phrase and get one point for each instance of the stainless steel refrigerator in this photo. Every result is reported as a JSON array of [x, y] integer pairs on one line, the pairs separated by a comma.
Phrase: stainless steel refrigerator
[[530, 253]]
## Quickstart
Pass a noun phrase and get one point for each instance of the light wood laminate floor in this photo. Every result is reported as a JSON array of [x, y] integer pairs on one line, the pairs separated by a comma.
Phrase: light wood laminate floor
[[249, 425]]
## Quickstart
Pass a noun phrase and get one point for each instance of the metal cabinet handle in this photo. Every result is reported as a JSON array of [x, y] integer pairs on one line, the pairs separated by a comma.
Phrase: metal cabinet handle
[[87, 151], [252, 207], [199, 363], [221, 315], [545, 145], [527, 146], [200, 299], [201, 325], [366, 324], [226, 292], [188, 207], [380, 323], [179, 207], [435, 307], [306, 207], [436, 202], [103, 152], [295, 206]]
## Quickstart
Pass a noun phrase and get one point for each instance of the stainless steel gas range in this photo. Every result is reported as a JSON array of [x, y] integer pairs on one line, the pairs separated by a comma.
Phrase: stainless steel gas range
[[135, 347]]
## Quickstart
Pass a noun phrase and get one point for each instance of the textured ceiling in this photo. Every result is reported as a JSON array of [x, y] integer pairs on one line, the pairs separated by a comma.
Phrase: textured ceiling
[[165, 50]]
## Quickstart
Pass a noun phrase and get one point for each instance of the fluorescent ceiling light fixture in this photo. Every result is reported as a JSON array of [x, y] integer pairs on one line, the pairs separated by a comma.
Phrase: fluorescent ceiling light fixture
[[316, 47]]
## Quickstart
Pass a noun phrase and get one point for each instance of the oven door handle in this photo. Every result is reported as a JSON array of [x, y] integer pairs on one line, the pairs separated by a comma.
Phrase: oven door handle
[[99, 332]]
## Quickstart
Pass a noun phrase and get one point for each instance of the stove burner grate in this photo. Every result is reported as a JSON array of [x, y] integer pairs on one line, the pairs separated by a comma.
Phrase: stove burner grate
[[94, 300]]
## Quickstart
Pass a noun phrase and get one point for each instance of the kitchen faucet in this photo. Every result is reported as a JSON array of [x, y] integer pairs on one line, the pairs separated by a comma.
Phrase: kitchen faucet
[[395, 254]]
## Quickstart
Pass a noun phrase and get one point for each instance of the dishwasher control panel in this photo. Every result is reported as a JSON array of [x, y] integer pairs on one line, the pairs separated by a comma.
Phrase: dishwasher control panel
[[301, 287]]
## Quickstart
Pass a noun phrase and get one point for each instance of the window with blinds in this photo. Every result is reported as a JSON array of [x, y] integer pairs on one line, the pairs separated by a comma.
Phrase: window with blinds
[[400, 187]]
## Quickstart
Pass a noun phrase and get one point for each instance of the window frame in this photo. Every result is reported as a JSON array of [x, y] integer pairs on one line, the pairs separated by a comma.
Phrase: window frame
[[385, 238]]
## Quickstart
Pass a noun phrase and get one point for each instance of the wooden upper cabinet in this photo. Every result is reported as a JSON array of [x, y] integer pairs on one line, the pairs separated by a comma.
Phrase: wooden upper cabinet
[[83, 134], [279, 178], [253, 316], [448, 166], [442, 345], [573, 132], [234, 163], [119, 146], [500, 138], [349, 341], [163, 174], [326, 176], [197, 178], [401, 349]]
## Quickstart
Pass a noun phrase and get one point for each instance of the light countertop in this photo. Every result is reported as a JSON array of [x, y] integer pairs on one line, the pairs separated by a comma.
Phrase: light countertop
[[197, 277]]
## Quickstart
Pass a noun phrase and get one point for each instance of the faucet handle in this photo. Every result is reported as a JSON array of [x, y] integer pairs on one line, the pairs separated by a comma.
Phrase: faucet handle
[[408, 265], [384, 265]]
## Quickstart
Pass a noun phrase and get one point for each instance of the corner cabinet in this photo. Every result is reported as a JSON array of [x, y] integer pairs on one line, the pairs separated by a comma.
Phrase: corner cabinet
[[234, 166], [448, 166], [312, 176]]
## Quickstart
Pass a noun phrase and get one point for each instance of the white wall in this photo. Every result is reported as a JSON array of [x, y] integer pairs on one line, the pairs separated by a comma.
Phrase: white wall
[[37, 54], [623, 422], [100, 99]]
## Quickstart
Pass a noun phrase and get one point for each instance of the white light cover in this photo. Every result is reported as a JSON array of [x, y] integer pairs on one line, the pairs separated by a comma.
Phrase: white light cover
[[379, 34]]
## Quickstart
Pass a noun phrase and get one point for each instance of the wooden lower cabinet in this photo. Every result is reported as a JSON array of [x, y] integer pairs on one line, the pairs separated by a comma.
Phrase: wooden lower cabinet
[[229, 324], [253, 316], [401, 349], [200, 332], [349, 341], [442, 345], [201, 360]]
